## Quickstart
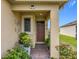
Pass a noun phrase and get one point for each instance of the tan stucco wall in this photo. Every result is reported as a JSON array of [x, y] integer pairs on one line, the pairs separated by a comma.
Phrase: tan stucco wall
[[9, 27], [69, 30]]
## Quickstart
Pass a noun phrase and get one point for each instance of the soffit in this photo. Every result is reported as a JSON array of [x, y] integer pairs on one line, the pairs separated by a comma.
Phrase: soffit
[[59, 2]]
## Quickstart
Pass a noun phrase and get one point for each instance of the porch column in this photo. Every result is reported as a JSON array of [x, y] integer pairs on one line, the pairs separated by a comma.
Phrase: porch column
[[54, 33], [33, 28]]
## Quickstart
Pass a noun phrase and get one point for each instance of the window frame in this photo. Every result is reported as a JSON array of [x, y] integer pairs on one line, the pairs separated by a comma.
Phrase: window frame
[[28, 25], [27, 16]]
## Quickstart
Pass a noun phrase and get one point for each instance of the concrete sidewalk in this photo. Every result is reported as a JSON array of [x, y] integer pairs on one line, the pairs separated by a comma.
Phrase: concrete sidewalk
[[40, 52]]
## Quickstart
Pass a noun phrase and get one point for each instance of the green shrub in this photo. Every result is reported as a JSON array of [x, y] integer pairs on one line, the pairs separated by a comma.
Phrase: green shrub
[[16, 53], [25, 39], [66, 52], [53, 58], [47, 41]]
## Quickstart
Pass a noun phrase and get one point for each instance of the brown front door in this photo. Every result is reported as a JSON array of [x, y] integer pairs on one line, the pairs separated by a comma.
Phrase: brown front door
[[40, 31]]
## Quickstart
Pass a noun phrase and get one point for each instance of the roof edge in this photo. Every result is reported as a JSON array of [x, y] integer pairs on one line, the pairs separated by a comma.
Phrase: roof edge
[[69, 24]]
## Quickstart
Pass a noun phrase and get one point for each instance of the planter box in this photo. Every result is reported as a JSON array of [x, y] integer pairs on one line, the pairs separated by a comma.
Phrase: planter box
[[27, 49]]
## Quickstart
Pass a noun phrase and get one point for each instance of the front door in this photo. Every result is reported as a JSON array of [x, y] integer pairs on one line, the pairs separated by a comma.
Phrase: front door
[[40, 31]]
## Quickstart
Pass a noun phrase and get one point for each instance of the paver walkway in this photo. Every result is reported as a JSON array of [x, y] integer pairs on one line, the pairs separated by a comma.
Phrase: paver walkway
[[40, 52]]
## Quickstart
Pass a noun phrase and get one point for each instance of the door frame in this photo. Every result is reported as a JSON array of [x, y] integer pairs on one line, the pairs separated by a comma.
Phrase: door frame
[[36, 33]]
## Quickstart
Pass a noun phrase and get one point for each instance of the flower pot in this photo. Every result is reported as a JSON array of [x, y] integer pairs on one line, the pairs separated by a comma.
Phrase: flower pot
[[27, 49]]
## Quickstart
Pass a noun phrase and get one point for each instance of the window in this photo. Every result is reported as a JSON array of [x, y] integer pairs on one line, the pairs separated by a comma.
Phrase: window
[[27, 25]]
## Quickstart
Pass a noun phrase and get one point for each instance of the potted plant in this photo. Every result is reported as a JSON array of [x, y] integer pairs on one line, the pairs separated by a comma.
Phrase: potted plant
[[25, 41]]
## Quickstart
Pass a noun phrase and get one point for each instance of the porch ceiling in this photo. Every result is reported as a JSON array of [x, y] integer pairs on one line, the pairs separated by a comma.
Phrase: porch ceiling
[[36, 13]]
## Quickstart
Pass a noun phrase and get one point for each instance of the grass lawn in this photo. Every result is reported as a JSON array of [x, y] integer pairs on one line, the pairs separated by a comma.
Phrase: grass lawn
[[70, 40]]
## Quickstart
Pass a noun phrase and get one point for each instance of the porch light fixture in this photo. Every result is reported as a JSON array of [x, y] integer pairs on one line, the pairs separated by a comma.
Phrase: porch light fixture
[[32, 6], [41, 14]]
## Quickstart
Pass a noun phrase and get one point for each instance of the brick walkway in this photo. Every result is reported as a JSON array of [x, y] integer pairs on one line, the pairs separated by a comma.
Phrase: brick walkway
[[40, 52]]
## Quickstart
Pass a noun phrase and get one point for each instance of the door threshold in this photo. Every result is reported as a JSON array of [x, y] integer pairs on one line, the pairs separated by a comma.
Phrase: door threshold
[[39, 42]]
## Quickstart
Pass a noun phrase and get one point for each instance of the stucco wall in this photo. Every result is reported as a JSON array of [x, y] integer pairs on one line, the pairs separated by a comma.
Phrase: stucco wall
[[9, 27], [69, 30]]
